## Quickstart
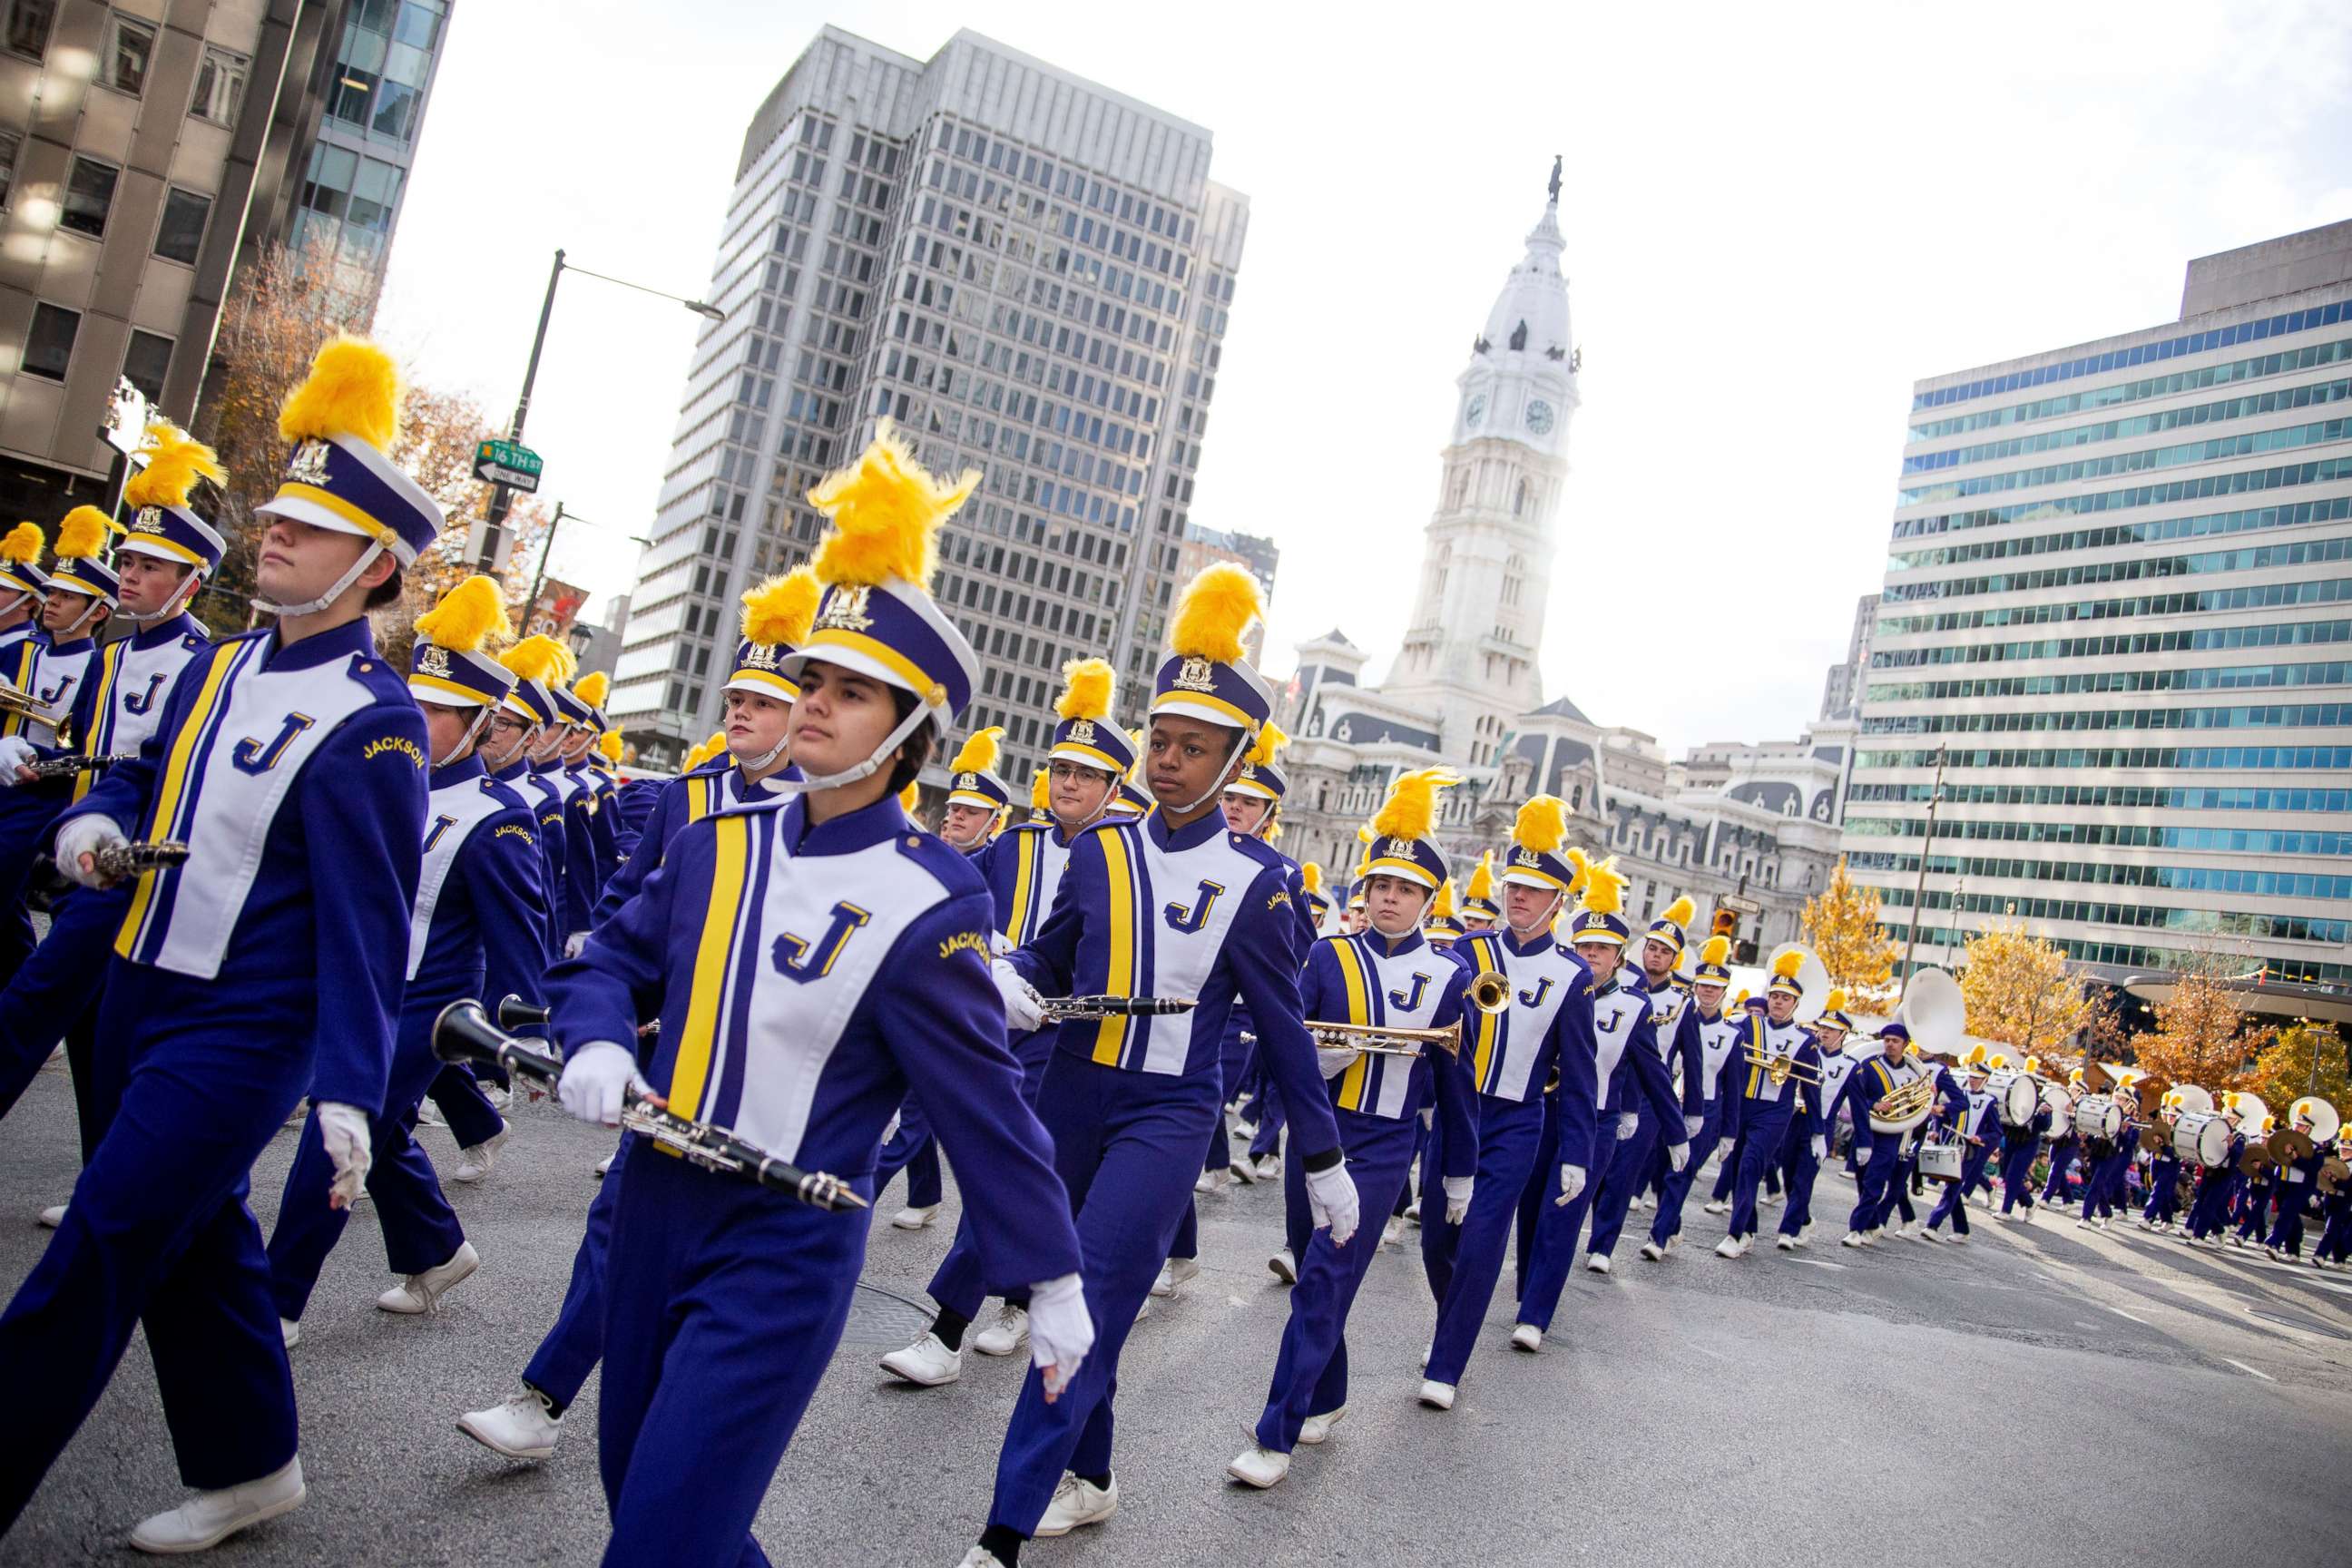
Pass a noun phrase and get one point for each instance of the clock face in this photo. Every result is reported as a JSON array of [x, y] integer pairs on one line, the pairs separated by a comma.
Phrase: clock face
[[1539, 417], [1476, 414]]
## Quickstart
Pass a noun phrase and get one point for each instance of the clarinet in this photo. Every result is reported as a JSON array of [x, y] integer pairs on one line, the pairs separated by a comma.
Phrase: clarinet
[[514, 1012], [464, 1033], [116, 861], [69, 766], [1060, 1009]]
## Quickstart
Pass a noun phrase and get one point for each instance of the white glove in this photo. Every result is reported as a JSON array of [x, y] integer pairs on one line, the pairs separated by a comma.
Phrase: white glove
[[1678, 1156], [1821, 1147], [1571, 1182], [1862, 1154], [1691, 1124], [1457, 1197], [344, 1131], [16, 751], [1335, 1059], [1331, 1199], [85, 835], [595, 1082], [1061, 1331], [1023, 1009], [1628, 1124], [575, 943]]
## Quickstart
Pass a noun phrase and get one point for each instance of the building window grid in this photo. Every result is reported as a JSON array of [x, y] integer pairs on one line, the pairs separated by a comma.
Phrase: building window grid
[[2311, 356], [2308, 396]]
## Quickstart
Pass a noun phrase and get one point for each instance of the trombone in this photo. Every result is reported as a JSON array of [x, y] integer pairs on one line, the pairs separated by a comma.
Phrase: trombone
[[1778, 1070], [1489, 992]]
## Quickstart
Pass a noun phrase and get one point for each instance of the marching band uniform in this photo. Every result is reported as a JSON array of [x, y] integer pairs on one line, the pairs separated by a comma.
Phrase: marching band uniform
[[1718, 1038], [2208, 1211], [2297, 1180], [26, 588], [1513, 1054], [2104, 1189], [1878, 1176], [1976, 1123], [800, 1051], [1670, 1035], [1765, 1109], [1800, 1166], [2018, 1147], [477, 929], [2163, 1204], [1146, 908], [2063, 1150], [1374, 980], [296, 773]]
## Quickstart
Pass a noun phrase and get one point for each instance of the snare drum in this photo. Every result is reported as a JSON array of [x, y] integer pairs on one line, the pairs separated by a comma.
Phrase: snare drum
[[1940, 1162], [2098, 1116], [2019, 1097], [2202, 1138]]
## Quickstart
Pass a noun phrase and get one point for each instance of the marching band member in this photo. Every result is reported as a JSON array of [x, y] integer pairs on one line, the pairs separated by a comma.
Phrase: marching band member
[[1876, 1154], [1172, 905], [977, 799], [2105, 1187], [2336, 1236], [2055, 1192], [477, 929], [1718, 1034], [2254, 1196], [25, 588], [1023, 867], [2018, 1147], [2208, 1211], [1480, 910], [2298, 1179], [1513, 1054], [725, 1304], [2163, 1205], [1762, 1110], [1444, 927], [591, 849], [1386, 977], [291, 761], [1662, 1034], [548, 785], [1800, 1166], [1974, 1124]]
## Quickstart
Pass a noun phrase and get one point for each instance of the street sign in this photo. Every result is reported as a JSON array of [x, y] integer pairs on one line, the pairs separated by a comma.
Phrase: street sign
[[1738, 905], [508, 463]]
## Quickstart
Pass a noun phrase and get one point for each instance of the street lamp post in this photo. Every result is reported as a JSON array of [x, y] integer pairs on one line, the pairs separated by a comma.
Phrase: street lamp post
[[501, 495], [1919, 893]]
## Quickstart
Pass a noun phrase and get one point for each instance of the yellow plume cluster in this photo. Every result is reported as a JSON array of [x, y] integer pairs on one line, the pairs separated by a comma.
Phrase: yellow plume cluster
[[2033, 1064], [1682, 911], [1268, 746], [82, 535], [911, 797], [1411, 808], [781, 609], [354, 389], [1582, 864], [24, 544], [1217, 607], [470, 617], [1482, 878], [1972, 1056], [1836, 1002], [695, 757], [1364, 834], [609, 743], [1717, 952], [1085, 688], [1788, 966], [1542, 825], [1142, 749], [1271, 833], [979, 754], [593, 687], [1604, 887], [541, 658], [1740, 1000], [1310, 876], [1037, 801], [176, 461], [1442, 907], [886, 511]]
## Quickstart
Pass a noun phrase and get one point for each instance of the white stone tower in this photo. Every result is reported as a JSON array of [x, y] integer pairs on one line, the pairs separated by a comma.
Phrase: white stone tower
[[1469, 655]]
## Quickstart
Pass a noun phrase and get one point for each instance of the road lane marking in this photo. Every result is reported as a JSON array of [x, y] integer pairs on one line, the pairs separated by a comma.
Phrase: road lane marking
[[2241, 1366], [1816, 1263], [2119, 1312]]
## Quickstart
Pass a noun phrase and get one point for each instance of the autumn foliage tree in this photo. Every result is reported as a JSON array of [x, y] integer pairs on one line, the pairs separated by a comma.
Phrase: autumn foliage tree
[[2303, 1059], [1842, 925], [2018, 991], [2201, 1034]]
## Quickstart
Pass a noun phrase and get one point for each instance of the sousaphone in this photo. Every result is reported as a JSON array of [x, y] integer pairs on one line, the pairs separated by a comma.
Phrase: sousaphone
[[2187, 1097], [1934, 1012], [2316, 1119]]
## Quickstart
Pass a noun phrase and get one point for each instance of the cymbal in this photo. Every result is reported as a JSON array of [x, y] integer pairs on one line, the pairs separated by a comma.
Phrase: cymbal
[[2287, 1146], [2152, 1140], [2255, 1160], [2332, 1175]]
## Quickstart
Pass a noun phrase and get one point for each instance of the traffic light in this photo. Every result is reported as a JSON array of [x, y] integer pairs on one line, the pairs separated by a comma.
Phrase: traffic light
[[1726, 923]]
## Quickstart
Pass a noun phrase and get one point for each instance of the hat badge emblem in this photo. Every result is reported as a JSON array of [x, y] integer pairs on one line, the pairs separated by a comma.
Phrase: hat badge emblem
[[310, 464], [1196, 674], [845, 609], [1081, 732], [433, 659], [148, 520]]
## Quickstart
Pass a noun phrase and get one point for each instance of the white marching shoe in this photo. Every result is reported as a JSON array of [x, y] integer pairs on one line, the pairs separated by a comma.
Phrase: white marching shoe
[[1285, 1267], [423, 1292], [1652, 1251], [1527, 1337], [1596, 1263], [524, 1428], [1717, 1205], [1317, 1429], [499, 1098], [1931, 1233], [1393, 1233], [981, 1557], [1435, 1394], [1174, 1273], [1785, 1243], [1243, 1170], [208, 1519], [914, 1217], [926, 1362], [1007, 1334], [1732, 1247], [1206, 1181], [1078, 1503], [1259, 1467], [429, 1115], [1855, 1239], [52, 1216], [291, 1331], [1958, 1238], [1269, 1166], [475, 1163]]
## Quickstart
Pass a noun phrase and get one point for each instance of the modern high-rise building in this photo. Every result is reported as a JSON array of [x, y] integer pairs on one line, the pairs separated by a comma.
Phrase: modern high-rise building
[[1030, 274], [374, 84], [2116, 613], [1842, 688]]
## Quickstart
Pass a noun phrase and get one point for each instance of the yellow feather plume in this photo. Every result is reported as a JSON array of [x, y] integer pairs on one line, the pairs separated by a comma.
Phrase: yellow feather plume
[[1788, 966], [886, 512], [1271, 833], [593, 687], [1999, 1062], [1682, 911], [1740, 1000], [1037, 801], [781, 609], [1364, 834], [1604, 887], [2034, 1064], [353, 390], [716, 744], [1972, 1056], [1442, 907], [1142, 750], [176, 461], [470, 617], [1310, 876], [1835, 1000], [1412, 806], [609, 743], [1542, 825], [541, 658], [1717, 952], [1482, 878], [911, 797], [82, 534], [1583, 871], [1215, 610], [1085, 688], [1268, 746], [695, 757], [979, 754], [24, 544]]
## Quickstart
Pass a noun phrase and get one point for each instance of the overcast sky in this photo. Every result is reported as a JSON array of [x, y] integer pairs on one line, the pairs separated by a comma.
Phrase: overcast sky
[[1777, 218]]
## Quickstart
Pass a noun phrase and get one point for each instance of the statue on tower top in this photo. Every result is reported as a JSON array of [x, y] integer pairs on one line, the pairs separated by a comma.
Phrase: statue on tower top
[[1555, 179]]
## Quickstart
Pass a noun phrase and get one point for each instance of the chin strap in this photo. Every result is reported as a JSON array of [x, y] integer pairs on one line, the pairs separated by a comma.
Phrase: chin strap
[[1552, 913], [312, 607], [79, 621], [521, 748], [473, 732], [181, 597], [1241, 744], [916, 716], [764, 758]]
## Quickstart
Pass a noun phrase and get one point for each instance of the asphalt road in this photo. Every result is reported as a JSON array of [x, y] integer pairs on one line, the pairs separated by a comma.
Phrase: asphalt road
[[2046, 1396]]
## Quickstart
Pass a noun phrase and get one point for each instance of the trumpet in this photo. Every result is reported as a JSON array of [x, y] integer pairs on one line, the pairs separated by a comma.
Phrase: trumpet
[[1062, 1009], [67, 766], [1778, 1070], [1488, 991], [20, 704], [115, 861], [464, 1033]]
